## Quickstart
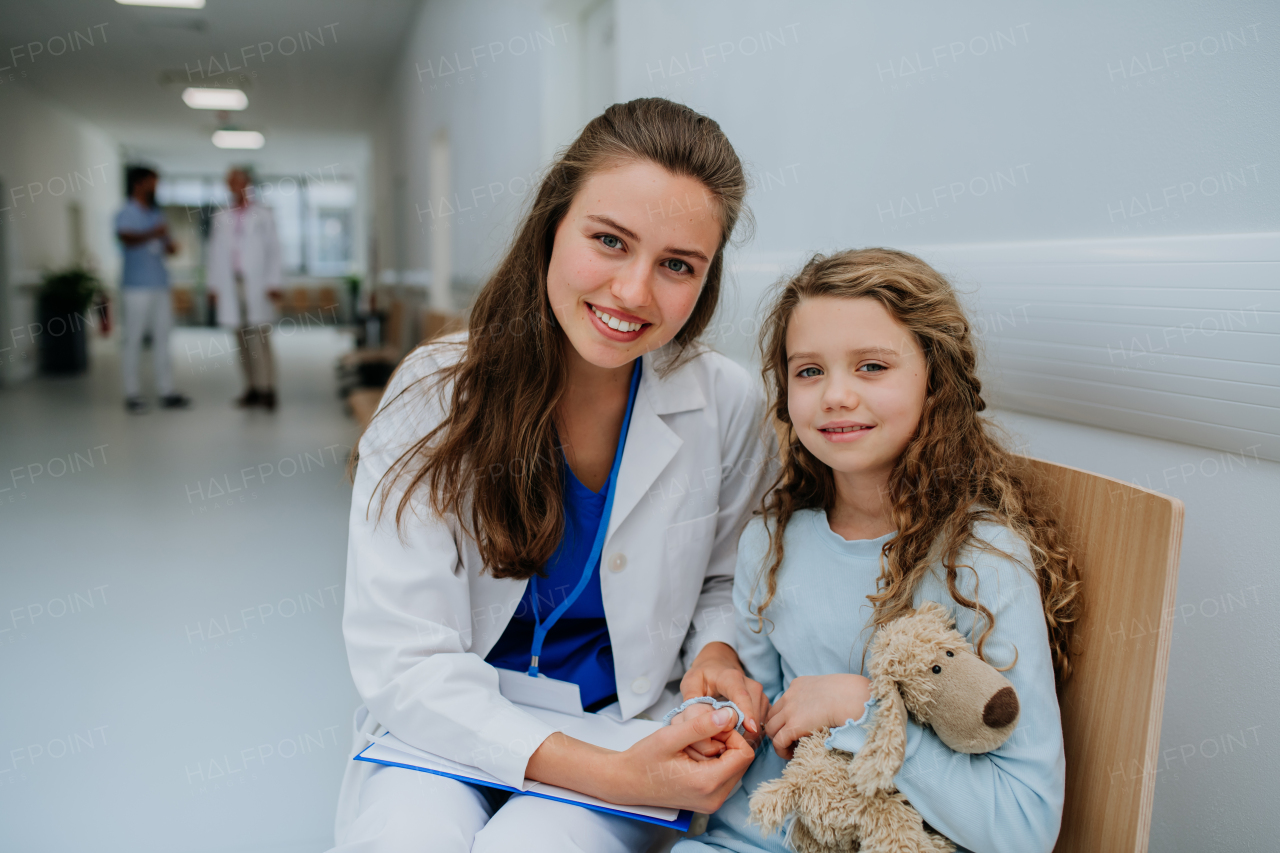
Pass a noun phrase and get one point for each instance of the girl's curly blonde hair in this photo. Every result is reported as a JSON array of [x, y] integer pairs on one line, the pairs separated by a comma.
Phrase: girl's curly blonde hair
[[953, 473]]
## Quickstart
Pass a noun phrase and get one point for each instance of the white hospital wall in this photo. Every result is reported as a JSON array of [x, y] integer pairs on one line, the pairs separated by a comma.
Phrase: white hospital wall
[[49, 160], [471, 72], [851, 117]]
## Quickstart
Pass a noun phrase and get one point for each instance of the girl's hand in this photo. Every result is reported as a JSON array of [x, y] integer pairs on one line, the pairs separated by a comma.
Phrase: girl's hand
[[717, 672], [811, 702], [703, 750], [658, 771]]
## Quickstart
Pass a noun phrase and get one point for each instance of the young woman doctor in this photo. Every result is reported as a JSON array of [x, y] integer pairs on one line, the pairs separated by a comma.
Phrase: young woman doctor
[[561, 490]]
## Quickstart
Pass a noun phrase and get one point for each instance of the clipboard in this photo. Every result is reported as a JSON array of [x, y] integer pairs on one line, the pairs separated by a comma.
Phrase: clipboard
[[602, 728]]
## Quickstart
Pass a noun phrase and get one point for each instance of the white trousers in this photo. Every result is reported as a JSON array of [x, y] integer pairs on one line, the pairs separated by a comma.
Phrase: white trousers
[[394, 810], [406, 811], [146, 308]]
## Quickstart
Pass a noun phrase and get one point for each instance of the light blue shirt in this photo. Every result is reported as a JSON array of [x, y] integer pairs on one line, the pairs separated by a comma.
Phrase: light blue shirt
[[1006, 801], [143, 263]]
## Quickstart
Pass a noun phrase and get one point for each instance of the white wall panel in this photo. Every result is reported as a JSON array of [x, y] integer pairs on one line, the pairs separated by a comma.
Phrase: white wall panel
[[1170, 338]]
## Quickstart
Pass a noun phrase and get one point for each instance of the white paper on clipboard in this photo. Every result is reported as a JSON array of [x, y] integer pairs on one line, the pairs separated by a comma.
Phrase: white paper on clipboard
[[605, 728]]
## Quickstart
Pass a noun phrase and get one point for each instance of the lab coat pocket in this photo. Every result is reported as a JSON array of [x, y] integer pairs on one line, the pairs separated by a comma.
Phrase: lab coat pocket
[[687, 552], [689, 542]]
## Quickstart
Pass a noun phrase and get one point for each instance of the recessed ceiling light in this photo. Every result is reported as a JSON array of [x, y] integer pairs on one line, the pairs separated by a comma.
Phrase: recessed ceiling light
[[238, 139], [169, 4], [215, 99]]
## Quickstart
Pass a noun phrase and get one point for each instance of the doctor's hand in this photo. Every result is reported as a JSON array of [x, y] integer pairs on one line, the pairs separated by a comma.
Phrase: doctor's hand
[[658, 770], [717, 672], [703, 750], [811, 702]]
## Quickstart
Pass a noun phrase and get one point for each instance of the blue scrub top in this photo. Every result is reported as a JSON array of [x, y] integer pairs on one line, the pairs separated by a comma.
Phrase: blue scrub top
[[143, 263], [577, 647]]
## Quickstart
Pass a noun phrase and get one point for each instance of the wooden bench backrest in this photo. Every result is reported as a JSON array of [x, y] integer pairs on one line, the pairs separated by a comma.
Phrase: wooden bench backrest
[[1127, 541]]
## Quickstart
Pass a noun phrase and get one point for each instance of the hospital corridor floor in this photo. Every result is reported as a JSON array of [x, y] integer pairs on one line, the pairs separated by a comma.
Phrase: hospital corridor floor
[[171, 658]]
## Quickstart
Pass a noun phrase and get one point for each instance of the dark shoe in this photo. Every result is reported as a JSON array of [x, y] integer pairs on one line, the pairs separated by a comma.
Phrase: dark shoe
[[175, 401], [249, 399], [267, 400], [135, 405]]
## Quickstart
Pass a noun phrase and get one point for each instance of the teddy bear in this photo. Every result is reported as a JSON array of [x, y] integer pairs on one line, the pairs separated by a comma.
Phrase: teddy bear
[[919, 665]]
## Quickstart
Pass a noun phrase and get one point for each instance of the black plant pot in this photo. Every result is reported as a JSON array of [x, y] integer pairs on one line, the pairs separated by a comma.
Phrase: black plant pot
[[64, 340]]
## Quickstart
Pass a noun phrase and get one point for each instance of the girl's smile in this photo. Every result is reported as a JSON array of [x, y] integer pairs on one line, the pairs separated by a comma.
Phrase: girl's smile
[[856, 385], [844, 430]]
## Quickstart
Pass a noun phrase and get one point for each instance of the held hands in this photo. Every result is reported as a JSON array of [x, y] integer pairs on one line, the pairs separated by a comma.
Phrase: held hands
[[660, 770], [656, 771], [716, 671], [811, 702]]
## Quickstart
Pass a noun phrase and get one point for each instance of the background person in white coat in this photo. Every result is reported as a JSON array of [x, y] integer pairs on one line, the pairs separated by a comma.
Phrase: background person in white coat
[[478, 471], [244, 274]]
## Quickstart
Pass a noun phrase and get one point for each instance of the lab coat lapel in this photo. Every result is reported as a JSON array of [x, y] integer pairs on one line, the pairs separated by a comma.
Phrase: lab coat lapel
[[651, 444]]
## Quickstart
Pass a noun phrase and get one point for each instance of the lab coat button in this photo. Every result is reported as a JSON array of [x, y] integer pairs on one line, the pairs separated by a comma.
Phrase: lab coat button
[[617, 563], [640, 685]]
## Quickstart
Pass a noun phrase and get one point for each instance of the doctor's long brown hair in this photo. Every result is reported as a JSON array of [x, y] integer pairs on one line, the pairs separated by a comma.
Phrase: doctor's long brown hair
[[493, 461], [953, 473]]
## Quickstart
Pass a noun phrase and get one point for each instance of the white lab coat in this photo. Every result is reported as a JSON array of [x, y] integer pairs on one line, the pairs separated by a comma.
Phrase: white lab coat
[[420, 616], [259, 259]]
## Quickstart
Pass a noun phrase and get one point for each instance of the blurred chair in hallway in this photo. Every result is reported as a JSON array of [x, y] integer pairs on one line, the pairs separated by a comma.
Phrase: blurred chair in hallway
[[300, 300], [327, 302], [364, 372], [364, 400], [436, 323], [184, 305]]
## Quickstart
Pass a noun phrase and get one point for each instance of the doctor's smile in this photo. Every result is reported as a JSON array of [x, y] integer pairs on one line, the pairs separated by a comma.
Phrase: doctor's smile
[[624, 326]]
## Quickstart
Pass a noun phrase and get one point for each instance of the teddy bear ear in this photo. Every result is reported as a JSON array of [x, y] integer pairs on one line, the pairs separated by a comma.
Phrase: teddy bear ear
[[879, 760]]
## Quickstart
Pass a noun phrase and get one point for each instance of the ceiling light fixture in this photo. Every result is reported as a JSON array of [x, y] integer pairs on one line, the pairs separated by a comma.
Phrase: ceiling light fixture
[[215, 99], [238, 139], [168, 4]]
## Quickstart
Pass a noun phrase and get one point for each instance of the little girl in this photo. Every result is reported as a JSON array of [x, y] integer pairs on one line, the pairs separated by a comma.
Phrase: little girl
[[893, 491]]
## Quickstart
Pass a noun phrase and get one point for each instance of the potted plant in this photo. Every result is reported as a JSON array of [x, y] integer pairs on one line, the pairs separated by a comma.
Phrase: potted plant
[[63, 309]]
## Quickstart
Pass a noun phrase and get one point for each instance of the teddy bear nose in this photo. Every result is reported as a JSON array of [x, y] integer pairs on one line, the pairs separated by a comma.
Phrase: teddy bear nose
[[1001, 709]]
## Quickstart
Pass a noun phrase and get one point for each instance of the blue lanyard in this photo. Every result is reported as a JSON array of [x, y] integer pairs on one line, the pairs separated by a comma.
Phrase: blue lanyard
[[541, 628]]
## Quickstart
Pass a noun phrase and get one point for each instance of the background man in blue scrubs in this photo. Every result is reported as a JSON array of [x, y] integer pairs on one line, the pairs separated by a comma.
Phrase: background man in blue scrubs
[[144, 289]]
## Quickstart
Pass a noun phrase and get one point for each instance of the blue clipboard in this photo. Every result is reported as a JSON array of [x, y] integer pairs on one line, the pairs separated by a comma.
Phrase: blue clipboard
[[680, 824]]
